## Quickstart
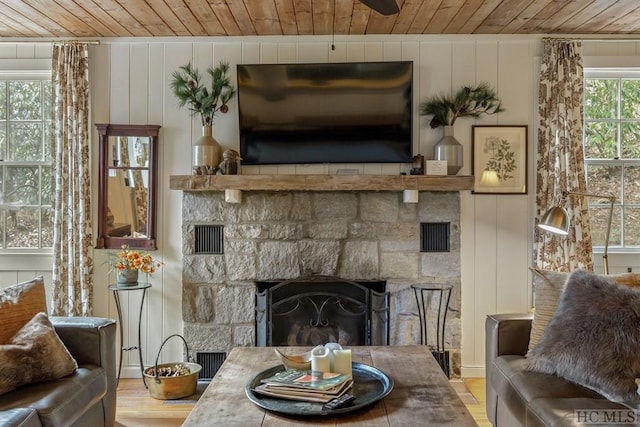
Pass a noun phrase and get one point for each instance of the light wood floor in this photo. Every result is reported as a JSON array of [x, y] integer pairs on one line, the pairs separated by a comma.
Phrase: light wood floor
[[137, 408]]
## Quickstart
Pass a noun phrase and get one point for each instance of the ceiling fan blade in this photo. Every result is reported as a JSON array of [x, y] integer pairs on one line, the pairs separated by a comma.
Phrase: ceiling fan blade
[[383, 7]]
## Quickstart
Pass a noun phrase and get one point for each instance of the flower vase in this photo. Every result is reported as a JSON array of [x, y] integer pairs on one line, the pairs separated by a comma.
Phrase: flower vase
[[127, 277], [449, 149], [207, 153]]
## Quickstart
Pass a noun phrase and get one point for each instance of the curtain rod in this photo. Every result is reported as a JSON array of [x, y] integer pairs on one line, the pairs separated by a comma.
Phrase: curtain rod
[[50, 41]]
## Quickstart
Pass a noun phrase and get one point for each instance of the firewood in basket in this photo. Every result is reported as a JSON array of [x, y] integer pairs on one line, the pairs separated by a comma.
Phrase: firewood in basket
[[176, 370]]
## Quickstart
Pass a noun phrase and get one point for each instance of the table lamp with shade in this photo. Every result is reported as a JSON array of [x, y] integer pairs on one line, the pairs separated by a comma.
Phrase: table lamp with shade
[[556, 221]]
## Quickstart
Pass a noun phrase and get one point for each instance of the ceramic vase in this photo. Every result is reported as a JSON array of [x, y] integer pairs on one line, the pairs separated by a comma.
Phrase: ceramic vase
[[449, 149], [207, 153], [127, 277]]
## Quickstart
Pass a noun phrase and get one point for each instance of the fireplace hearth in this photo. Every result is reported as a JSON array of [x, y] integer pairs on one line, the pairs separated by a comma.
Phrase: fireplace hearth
[[274, 237], [319, 309]]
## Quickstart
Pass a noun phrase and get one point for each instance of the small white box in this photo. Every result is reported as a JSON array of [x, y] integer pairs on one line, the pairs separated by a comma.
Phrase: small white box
[[410, 196], [436, 167], [232, 196]]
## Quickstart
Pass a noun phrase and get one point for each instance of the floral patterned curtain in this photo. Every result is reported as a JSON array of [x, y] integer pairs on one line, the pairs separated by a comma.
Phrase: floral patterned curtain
[[72, 236], [560, 165]]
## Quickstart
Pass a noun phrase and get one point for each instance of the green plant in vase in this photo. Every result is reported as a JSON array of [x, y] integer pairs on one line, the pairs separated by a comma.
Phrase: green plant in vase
[[466, 102], [444, 111], [204, 97]]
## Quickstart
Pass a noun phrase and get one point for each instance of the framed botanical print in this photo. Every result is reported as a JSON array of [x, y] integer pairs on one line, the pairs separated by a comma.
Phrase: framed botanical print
[[499, 159]]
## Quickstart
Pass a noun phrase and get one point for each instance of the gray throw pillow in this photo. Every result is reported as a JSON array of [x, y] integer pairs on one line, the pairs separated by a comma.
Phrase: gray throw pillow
[[593, 339]]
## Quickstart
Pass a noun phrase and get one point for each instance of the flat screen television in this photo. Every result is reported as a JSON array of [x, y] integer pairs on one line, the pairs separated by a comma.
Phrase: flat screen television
[[325, 113]]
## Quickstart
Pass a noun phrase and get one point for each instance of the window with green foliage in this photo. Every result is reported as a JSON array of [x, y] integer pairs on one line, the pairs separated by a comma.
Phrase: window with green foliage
[[612, 154], [26, 217]]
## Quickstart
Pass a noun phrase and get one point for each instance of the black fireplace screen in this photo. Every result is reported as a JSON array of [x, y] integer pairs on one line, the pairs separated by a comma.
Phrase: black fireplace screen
[[320, 309]]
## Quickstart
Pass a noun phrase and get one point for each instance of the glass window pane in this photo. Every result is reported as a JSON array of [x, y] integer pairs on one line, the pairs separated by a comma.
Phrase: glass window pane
[[21, 185], [631, 184], [601, 98], [25, 142], [599, 220], [47, 228], [632, 227], [47, 141], [600, 140], [47, 97], [3, 141], [630, 140], [605, 180], [47, 187], [630, 99], [3, 100], [2, 227], [25, 100], [23, 228]]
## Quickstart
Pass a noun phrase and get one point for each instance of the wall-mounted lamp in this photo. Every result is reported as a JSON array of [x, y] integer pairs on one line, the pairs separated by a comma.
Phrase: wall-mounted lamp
[[556, 220]]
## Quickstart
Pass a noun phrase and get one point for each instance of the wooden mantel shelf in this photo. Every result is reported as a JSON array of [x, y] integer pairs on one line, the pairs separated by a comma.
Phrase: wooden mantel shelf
[[320, 182]]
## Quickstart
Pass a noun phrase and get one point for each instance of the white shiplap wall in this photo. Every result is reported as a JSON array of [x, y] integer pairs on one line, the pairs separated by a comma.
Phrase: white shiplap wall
[[130, 84]]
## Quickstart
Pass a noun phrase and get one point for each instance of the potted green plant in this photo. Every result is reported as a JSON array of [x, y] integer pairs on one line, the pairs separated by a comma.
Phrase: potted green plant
[[204, 98], [466, 102]]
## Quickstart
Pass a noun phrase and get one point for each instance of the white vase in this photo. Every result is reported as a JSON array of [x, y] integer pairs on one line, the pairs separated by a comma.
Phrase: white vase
[[207, 153], [449, 149]]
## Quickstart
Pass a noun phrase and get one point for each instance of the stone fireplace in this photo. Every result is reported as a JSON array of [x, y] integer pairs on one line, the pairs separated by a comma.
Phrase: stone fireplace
[[275, 236]]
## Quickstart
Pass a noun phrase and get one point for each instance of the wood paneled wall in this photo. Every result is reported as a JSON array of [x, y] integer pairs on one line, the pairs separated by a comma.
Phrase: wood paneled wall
[[130, 84]]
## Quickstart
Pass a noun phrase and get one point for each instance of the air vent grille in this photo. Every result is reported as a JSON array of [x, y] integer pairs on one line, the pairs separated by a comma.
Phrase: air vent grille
[[210, 362], [208, 239], [435, 236]]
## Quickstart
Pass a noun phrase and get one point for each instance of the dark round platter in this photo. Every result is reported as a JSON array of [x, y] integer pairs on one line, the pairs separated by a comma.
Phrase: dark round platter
[[369, 386]]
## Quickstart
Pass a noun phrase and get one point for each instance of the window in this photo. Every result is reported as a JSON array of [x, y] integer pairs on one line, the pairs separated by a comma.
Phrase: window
[[612, 154], [26, 215]]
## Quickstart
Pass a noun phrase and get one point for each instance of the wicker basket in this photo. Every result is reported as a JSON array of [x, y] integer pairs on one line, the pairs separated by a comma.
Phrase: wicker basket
[[167, 388]]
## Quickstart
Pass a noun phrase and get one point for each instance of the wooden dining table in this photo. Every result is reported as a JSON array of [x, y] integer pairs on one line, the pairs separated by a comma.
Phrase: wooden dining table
[[421, 393]]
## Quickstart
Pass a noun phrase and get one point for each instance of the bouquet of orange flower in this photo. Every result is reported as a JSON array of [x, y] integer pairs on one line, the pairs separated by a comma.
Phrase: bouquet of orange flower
[[129, 259]]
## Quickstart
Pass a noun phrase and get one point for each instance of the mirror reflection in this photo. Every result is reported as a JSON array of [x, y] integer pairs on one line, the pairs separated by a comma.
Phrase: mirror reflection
[[128, 187]]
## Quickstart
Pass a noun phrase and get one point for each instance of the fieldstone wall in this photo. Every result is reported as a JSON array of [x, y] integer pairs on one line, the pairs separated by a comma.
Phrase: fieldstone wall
[[285, 235]]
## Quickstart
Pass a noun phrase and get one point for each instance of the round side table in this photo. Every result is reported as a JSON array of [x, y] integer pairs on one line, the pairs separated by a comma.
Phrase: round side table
[[116, 289], [424, 294]]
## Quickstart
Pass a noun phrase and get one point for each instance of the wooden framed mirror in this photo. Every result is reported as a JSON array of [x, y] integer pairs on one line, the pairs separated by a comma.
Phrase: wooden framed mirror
[[127, 186]]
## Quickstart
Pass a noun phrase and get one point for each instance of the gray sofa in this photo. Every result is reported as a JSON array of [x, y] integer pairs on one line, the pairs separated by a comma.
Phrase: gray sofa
[[85, 398], [516, 397]]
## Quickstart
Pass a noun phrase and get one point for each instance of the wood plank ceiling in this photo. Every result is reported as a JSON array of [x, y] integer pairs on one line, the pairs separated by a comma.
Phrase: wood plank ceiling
[[160, 18]]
